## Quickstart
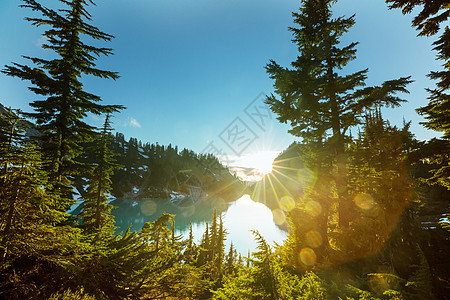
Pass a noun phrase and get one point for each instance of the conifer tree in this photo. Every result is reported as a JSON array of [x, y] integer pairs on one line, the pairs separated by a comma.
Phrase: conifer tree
[[135, 264], [230, 260], [23, 200], [29, 240], [205, 244], [379, 183], [220, 246], [10, 153], [315, 98], [263, 269], [213, 237], [191, 248], [437, 111], [96, 211], [60, 114]]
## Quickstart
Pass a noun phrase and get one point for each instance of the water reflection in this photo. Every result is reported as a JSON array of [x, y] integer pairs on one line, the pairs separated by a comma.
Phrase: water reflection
[[244, 215], [239, 218]]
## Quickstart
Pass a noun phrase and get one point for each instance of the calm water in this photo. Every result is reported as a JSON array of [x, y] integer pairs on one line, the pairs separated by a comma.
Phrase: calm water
[[239, 218]]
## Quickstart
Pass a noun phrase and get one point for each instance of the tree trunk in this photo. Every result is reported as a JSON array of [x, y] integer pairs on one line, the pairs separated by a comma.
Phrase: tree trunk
[[339, 151]]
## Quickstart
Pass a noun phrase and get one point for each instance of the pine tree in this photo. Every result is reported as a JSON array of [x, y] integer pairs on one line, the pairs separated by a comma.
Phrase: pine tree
[[135, 264], [318, 101], [204, 248], [190, 256], [10, 137], [31, 247], [437, 111], [230, 260], [220, 247], [379, 183], [60, 115], [213, 238], [428, 20], [263, 269], [96, 211], [23, 200]]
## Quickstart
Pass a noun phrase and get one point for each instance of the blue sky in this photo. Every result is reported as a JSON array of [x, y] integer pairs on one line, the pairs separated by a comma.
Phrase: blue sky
[[190, 68]]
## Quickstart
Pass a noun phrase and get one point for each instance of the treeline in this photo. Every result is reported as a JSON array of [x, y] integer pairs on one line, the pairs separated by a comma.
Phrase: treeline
[[145, 170], [155, 171]]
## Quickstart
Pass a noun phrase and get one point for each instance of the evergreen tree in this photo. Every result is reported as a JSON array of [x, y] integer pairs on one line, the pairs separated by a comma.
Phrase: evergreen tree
[[60, 115], [380, 186], [96, 211], [136, 265], [220, 247], [230, 260], [190, 254], [203, 256], [23, 200], [263, 269], [437, 111], [11, 153], [213, 239], [33, 251], [318, 101]]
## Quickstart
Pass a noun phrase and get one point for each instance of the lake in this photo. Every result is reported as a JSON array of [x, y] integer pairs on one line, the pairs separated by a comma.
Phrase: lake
[[239, 218]]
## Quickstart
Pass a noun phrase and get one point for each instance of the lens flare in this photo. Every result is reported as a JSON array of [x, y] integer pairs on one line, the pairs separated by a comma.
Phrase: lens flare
[[278, 216], [313, 208], [364, 201], [306, 177], [287, 203], [308, 257], [313, 239], [148, 207]]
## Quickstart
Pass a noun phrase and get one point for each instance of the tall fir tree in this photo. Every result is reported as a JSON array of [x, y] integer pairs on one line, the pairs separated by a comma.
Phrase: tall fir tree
[[318, 101], [60, 115], [96, 210], [230, 260], [23, 200], [437, 111], [263, 269], [380, 186], [31, 246]]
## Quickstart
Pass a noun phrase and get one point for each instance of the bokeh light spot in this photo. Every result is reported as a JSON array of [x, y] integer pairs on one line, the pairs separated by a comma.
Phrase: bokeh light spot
[[313, 208], [279, 217], [306, 177], [364, 201], [308, 257], [148, 207], [313, 239], [287, 203], [188, 211]]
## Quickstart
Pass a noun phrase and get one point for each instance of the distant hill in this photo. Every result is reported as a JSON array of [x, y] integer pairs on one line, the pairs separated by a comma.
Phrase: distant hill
[[156, 171]]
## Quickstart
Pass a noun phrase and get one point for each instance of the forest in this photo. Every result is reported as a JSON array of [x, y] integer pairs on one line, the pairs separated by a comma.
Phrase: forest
[[366, 204]]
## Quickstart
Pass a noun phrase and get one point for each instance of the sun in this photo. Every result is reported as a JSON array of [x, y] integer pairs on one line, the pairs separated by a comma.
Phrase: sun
[[259, 161], [262, 161], [252, 166]]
